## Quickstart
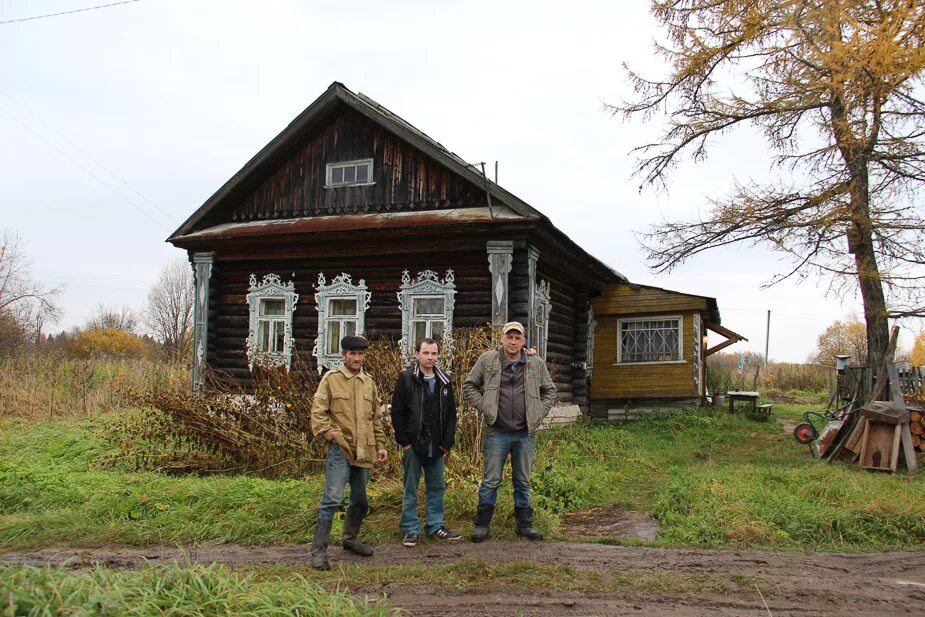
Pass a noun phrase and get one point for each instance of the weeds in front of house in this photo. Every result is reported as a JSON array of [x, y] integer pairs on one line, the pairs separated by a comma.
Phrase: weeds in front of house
[[266, 429], [263, 432], [188, 589]]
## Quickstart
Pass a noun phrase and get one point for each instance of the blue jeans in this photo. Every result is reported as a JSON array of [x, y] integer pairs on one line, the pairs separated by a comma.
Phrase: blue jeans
[[434, 489], [337, 473], [496, 446]]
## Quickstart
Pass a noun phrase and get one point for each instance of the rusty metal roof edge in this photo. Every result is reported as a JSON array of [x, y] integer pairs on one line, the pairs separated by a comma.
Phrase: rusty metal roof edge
[[420, 218]]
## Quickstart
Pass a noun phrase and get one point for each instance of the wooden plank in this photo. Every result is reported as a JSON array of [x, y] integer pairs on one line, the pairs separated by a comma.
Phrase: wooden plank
[[877, 450], [894, 455], [865, 431], [912, 464], [886, 412]]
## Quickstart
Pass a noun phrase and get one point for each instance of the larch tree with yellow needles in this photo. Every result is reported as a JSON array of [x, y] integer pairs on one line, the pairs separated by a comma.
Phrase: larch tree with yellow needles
[[836, 89]]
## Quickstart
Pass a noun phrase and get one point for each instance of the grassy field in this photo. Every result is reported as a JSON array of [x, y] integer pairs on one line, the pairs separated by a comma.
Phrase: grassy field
[[191, 590], [710, 479]]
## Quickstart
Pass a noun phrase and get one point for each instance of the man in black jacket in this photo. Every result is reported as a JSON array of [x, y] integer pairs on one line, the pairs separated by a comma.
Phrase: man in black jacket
[[424, 418]]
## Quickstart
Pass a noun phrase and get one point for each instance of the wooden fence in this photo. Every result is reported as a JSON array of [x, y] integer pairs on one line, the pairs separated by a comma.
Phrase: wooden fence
[[911, 381]]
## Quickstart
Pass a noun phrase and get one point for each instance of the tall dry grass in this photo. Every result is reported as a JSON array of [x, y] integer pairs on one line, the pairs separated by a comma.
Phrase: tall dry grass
[[41, 386]]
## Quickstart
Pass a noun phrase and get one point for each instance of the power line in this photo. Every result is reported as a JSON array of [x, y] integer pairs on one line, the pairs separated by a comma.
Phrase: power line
[[87, 154], [87, 171], [89, 8]]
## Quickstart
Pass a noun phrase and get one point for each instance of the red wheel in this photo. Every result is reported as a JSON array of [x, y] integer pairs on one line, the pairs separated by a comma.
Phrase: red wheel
[[804, 433]]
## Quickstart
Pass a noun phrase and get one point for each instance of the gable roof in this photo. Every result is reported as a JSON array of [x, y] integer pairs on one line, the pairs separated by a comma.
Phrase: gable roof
[[271, 155]]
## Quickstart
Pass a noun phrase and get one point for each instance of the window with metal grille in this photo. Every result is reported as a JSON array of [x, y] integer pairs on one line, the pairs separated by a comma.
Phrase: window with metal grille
[[349, 173], [654, 339]]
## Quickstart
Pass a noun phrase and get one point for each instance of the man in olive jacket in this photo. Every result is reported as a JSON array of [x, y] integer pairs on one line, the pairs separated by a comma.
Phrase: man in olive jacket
[[514, 392], [346, 414]]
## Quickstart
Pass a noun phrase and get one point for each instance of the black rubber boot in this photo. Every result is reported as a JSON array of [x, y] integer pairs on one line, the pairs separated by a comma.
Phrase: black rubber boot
[[320, 545], [352, 522], [524, 517], [482, 522]]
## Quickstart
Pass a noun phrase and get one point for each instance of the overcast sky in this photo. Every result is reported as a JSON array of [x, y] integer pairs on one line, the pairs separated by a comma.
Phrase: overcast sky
[[118, 123]]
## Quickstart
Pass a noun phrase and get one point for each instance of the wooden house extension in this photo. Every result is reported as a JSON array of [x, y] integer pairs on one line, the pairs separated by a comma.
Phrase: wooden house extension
[[651, 347], [353, 221]]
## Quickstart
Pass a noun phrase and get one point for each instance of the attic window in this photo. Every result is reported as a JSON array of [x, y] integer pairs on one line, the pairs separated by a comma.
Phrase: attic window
[[349, 173]]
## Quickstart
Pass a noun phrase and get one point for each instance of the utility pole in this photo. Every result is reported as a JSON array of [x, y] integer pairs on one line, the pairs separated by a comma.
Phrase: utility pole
[[767, 338]]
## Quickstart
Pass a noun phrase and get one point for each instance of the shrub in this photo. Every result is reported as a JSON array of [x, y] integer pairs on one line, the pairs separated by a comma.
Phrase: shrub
[[266, 429]]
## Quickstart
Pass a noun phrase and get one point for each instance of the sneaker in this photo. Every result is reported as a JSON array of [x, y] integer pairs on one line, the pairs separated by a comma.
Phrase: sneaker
[[445, 534], [410, 539]]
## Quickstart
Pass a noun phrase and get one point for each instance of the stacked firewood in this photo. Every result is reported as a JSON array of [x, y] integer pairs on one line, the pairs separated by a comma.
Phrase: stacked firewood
[[917, 426]]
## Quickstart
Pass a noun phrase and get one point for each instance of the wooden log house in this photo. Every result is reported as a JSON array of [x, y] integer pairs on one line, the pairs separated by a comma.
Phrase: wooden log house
[[353, 221]]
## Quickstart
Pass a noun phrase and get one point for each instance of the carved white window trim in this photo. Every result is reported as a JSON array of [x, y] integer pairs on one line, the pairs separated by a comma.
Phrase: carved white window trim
[[589, 347], [270, 288], [426, 285], [341, 288], [542, 305], [698, 353]]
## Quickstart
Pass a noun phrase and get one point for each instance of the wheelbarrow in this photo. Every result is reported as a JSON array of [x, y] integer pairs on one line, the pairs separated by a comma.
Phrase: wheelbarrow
[[820, 440]]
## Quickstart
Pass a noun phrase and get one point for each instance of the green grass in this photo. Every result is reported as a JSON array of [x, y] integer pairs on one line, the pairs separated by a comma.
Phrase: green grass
[[709, 478], [191, 590]]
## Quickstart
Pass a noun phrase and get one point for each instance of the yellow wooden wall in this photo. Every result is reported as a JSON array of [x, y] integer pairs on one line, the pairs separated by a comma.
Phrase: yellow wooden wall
[[621, 299], [633, 380]]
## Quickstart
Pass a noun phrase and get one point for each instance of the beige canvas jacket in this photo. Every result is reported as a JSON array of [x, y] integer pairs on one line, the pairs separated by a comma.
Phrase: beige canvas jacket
[[346, 411], [481, 388]]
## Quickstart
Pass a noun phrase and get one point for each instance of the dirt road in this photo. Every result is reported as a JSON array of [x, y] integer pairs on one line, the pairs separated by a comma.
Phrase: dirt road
[[673, 581]]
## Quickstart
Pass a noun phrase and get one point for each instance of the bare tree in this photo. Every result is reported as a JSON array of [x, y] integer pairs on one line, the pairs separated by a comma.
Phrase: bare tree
[[835, 87], [23, 300], [124, 318], [170, 308]]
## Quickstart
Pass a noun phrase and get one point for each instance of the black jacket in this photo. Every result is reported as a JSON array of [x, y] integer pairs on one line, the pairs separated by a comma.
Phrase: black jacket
[[408, 410]]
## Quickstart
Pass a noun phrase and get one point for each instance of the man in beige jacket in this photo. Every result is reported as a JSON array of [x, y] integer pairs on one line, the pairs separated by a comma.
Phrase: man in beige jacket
[[346, 414]]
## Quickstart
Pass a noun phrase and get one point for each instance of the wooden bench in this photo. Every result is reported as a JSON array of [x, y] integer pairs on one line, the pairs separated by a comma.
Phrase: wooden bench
[[764, 411]]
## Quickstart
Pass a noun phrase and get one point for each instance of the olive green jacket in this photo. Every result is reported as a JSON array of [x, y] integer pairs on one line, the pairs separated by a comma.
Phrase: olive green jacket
[[346, 411], [481, 388]]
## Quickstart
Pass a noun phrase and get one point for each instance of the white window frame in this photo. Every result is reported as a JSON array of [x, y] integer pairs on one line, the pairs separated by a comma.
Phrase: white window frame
[[329, 173], [270, 288], [680, 350], [427, 285], [542, 302], [341, 288]]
